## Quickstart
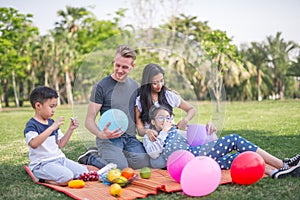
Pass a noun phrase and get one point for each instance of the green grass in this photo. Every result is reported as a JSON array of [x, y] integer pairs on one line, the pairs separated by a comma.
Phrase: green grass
[[272, 125]]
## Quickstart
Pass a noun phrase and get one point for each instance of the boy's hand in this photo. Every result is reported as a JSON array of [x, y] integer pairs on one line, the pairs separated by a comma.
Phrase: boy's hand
[[58, 122], [74, 123]]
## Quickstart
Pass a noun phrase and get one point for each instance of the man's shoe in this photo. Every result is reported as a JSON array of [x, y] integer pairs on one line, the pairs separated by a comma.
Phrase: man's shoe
[[285, 172], [292, 161], [84, 157]]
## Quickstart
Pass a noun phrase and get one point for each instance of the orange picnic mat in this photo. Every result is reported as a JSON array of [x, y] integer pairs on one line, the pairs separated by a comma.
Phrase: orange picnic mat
[[140, 188]]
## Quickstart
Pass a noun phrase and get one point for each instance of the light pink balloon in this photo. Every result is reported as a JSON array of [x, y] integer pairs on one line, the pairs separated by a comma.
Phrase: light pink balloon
[[196, 134], [176, 162], [200, 177]]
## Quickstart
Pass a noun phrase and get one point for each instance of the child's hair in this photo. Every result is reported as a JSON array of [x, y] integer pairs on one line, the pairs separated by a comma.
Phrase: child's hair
[[41, 94], [154, 110]]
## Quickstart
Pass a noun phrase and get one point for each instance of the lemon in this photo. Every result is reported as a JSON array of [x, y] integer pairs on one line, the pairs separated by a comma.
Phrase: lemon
[[76, 184], [115, 190], [145, 172], [113, 174]]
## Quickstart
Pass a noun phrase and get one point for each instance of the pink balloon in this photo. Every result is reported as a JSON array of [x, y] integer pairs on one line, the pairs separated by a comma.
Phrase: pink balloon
[[196, 134], [201, 176], [247, 168], [176, 162]]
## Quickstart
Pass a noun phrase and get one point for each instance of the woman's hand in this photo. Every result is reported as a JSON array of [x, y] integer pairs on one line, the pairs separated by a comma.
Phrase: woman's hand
[[182, 124], [211, 128], [152, 134]]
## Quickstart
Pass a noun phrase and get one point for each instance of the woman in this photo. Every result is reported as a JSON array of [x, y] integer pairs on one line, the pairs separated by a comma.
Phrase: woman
[[154, 92]]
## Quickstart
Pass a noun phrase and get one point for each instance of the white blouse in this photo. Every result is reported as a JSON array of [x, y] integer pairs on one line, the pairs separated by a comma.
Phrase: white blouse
[[173, 99]]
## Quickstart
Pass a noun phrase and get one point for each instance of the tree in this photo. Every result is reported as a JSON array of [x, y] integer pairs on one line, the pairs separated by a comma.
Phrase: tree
[[15, 31], [65, 35], [257, 55], [279, 61]]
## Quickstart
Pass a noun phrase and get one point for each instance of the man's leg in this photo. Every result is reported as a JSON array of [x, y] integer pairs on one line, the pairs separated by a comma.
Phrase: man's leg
[[158, 163], [135, 153], [111, 151]]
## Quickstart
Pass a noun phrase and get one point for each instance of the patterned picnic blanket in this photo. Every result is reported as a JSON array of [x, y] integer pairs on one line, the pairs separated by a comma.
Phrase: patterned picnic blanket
[[160, 180]]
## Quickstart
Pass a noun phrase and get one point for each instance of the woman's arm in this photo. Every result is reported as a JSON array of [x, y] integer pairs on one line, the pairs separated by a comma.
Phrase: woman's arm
[[190, 112], [152, 134], [139, 124]]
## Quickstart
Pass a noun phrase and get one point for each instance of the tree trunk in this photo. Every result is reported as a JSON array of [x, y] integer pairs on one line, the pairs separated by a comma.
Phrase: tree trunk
[[46, 78], [276, 86], [15, 89], [21, 92], [56, 83], [5, 92], [282, 88], [69, 88], [259, 97], [33, 79]]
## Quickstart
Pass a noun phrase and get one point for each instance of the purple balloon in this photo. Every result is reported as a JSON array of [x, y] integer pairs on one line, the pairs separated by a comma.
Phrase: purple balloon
[[196, 134], [201, 176], [176, 162]]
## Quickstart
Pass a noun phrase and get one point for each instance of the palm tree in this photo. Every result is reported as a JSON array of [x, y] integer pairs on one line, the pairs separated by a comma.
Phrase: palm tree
[[257, 55], [279, 61], [65, 36]]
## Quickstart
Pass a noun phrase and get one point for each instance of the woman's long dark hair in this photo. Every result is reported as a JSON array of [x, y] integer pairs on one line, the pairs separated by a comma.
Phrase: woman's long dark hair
[[149, 71]]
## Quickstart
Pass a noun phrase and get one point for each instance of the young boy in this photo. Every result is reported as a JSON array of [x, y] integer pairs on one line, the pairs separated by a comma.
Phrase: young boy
[[45, 140]]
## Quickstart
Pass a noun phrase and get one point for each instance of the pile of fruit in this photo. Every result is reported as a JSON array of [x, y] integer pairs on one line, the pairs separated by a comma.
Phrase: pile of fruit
[[121, 178], [114, 177]]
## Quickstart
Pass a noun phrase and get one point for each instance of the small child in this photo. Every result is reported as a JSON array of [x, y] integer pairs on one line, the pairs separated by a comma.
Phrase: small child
[[45, 140], [170, 140]]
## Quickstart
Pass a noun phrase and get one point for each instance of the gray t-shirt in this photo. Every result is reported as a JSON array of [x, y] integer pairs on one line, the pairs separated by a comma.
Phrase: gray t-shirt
[[120, 95]]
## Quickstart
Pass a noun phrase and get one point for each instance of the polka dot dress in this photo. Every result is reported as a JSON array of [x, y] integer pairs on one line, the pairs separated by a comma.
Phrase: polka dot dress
[[218, 150]]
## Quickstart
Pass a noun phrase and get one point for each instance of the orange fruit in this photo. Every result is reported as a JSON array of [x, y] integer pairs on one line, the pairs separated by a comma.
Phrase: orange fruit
[[113, 174], [76, 184], [145, 172], [128, 172], [115, 190]]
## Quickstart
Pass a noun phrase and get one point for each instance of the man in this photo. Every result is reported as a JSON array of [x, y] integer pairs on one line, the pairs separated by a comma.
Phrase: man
[[115, 91]]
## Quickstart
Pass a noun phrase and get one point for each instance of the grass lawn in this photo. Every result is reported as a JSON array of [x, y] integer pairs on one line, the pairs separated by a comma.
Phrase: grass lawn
[[272, 125]]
